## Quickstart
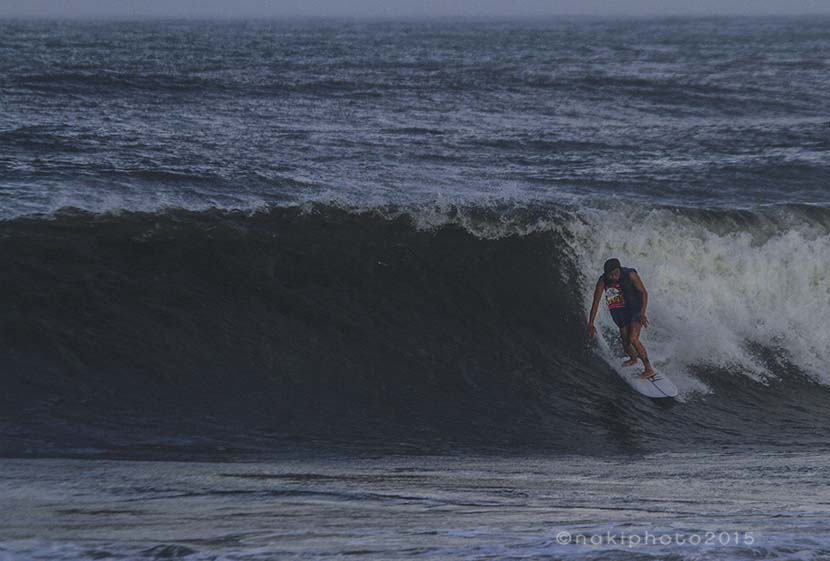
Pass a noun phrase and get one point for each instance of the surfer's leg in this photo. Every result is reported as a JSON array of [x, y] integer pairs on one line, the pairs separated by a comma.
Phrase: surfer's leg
[[625, 337], [634, 331]]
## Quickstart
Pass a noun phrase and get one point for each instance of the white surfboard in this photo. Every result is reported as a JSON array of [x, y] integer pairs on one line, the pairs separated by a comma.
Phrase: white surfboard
[[657, 386]]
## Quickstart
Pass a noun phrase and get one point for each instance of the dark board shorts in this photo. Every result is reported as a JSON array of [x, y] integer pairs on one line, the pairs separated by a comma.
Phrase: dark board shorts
[[625, 316]]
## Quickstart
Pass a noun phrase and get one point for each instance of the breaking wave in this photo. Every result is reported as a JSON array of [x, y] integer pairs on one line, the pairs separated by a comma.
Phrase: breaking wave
[[440, 328]]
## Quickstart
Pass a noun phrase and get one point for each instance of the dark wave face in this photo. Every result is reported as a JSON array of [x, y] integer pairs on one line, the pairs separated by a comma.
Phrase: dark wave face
[[137, 333], [146, 115]]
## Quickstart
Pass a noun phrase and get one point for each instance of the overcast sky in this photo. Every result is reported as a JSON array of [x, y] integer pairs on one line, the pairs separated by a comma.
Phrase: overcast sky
[[401, 8]]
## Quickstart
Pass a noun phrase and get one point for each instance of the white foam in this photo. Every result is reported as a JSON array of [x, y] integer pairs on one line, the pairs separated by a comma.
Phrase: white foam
[[713, 294], [48, 200]]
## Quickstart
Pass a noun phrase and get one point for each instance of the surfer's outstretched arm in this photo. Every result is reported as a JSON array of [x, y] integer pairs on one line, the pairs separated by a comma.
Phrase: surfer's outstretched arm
[[595, 306]]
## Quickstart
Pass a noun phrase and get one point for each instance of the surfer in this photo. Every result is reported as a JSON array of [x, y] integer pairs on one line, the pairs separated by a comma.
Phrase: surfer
[[627, 300]]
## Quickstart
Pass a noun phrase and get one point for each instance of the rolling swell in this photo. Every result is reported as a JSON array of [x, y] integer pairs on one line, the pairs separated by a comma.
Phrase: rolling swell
[[139, 333]]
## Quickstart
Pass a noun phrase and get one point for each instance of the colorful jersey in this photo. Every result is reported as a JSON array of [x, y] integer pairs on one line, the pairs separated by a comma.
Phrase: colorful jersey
[[614, 295], [622, 293]]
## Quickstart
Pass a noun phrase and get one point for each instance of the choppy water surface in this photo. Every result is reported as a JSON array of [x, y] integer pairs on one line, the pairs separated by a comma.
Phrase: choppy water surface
[[677, 506], [145, 115]]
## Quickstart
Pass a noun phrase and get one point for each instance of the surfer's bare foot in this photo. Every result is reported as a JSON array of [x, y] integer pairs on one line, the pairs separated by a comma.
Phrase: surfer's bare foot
[[648, 373], [630, 362]]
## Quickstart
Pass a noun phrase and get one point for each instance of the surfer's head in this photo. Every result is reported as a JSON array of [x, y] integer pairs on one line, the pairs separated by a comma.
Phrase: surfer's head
[[612, 269]]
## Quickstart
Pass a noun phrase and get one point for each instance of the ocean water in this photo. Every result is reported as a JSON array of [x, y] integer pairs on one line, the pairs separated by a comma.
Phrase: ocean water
[[664, 506], [360, 249]]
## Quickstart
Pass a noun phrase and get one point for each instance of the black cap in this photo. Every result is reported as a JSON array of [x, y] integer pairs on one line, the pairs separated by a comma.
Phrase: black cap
[[611, 264]]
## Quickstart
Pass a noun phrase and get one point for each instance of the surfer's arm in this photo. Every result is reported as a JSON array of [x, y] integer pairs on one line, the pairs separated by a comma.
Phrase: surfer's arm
[[595, 306], [638, 284]]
